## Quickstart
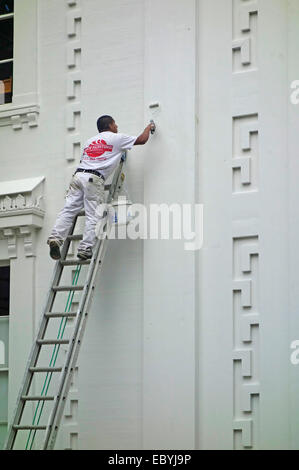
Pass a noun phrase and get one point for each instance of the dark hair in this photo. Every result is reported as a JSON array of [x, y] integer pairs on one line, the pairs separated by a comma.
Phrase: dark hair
[[104, 122]]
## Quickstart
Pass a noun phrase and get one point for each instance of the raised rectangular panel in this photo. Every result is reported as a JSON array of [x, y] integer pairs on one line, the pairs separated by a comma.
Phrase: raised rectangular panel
[[247, 392], [243, 286], [247, 250], [70, 427], [73, 50], [245, 153], [244, 356], [246, 9], [246, 321], [73, 146], [244, 45], [73, 18], [244, 165], [73, 113], [245, 228], [73, 108], [245, 283], [73, 79], [70, 416], [244, 426]]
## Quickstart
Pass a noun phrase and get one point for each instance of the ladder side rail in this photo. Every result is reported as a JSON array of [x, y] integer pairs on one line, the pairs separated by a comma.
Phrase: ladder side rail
[[117, 180], [72, 360], [66, 376], [34, 352], [66, 370]]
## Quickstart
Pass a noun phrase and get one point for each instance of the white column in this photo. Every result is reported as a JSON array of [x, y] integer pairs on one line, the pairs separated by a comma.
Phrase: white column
[[275, 288], [214, 329], [168, 356], [293, 228]]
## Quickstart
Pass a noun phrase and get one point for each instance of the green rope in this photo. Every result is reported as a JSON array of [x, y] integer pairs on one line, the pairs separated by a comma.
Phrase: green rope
[[55, 352]]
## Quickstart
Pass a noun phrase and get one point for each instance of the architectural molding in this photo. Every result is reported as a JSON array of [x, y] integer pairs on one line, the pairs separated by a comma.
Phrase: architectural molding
[[246, 308], [16, 116], [24, 109], [11, 236], [74, 78], [28, 233], [21, 213]]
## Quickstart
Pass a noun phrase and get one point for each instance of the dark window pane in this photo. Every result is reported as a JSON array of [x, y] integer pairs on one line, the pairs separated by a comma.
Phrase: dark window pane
[[6, 6], [6, 39], [6, 71], [4, 290]]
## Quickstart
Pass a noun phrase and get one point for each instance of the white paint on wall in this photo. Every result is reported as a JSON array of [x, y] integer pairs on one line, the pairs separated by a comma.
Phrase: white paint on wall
[[168, 289], [182, 350], [2, 353]]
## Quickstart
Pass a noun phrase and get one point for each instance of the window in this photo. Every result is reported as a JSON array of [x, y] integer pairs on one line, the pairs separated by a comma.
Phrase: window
[[6, 50], [4, 340], [4, 290]]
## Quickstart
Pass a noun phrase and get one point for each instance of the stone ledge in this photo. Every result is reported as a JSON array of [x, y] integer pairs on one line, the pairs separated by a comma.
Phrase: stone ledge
[[21, 213], [16, 116], [24, 217]]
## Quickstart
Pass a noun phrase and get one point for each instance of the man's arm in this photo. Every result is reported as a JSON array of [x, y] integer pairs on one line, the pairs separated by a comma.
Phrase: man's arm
[[143, 138]]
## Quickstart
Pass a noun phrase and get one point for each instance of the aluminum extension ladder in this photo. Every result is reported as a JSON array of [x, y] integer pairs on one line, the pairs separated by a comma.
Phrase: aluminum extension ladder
[[73, 344]]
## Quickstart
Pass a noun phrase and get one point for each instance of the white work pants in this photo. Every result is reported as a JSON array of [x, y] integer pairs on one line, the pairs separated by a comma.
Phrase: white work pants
[[85, 191]]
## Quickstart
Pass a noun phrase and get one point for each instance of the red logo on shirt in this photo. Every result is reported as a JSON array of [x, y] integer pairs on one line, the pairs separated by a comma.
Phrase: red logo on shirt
[[98, 148]]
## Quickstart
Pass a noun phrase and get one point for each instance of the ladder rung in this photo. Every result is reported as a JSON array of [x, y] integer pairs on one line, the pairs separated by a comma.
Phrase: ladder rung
[[74, 262], [19, 427], [67, 288], [45, 369], [75, 237], [37, 398], [73, 342], [52, 341], [60, 314]]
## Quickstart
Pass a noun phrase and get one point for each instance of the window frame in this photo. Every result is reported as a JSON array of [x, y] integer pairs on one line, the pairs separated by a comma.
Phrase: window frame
[[4, 368], [4, 17], [7, 266], [24, 108]]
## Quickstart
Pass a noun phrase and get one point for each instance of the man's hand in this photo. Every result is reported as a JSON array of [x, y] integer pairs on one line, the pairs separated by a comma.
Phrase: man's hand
[[143, 138], [153, 127]]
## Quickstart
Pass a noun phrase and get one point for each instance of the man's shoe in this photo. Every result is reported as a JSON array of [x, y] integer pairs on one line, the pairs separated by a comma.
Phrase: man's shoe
[[85, 254], [54, 249]]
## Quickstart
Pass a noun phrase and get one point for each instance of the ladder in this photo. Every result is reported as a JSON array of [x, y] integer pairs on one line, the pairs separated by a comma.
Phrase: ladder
[[73, 344]]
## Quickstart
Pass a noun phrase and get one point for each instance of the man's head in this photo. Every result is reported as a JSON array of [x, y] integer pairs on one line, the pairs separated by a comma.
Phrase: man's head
[[107, 123]]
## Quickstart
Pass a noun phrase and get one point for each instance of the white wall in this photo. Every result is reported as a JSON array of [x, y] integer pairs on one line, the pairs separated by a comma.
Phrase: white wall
[[169, 295], [182, 350], [247, 293], [132, 399]]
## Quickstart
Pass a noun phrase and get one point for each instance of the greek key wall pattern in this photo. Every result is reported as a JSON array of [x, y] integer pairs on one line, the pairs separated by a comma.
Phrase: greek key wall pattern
[[245, 231], [72, 150]]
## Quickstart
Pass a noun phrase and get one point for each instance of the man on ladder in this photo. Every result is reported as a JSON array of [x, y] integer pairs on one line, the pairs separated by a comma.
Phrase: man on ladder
[[100, 157]]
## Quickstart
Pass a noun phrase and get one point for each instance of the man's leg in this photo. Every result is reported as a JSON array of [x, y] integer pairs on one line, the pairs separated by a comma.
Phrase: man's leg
[[94, 197], [73, 205]]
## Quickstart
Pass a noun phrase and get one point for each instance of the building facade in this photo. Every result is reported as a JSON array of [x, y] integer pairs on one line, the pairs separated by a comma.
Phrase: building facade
[[183, 349]]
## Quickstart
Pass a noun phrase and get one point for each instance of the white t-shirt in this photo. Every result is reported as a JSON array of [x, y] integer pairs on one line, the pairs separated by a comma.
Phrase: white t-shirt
[[103, 152]]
